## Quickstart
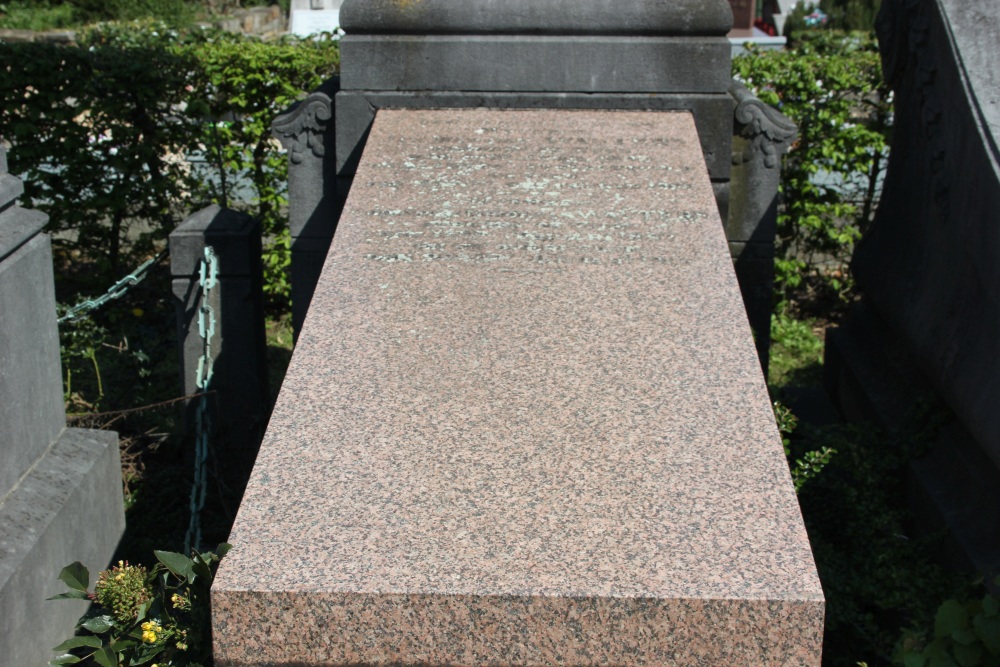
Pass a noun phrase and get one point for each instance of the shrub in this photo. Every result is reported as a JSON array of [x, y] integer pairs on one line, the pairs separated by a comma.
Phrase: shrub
[[831, 86], [143, 616], [101, 132]]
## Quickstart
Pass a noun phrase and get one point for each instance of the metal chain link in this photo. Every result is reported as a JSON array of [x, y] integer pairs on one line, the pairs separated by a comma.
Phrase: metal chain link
[[116, 291], [208, 274]]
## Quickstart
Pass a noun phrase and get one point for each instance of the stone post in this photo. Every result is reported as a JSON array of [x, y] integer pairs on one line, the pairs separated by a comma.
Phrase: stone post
[[60, 488], [239, 384], [761, 136], [306, 132]]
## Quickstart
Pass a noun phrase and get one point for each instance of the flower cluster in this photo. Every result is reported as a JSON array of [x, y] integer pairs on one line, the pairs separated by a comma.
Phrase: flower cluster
[[123, 589], [180, 602], [151, 631]]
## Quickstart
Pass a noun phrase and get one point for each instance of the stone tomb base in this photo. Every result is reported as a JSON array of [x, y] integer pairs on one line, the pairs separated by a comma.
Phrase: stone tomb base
[[524, 423]]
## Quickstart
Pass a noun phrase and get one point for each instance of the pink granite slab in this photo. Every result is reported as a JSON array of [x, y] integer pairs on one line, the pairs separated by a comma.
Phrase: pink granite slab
[[524, 423]]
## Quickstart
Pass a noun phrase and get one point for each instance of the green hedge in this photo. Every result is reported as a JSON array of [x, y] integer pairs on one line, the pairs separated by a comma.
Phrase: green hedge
[[831, 85], [101, 132]]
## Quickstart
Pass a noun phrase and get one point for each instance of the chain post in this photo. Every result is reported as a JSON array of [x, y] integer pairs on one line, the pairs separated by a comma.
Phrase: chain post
[[208, 273]]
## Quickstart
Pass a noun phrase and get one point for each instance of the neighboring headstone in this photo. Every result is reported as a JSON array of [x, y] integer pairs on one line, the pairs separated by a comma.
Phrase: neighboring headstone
[[60, 489], [564, 54], [239, 383], [928, 269], [315, 195], [744, 15], [310, 17], [524, 422]]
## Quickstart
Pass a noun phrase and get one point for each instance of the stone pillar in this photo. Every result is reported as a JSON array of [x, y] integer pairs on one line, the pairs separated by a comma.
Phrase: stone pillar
[[762, 135], [239, 384], [314, 193], [60, 488]]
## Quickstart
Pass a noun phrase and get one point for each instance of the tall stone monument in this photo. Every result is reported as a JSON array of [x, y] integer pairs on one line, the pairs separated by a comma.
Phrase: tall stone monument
[[557, 54], [60, 488], [929, 325]]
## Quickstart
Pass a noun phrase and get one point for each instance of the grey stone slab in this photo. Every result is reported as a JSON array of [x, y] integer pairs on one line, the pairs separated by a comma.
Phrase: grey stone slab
[[234, 235], [513, 63], [31, 394], [713, 115], [10, 189], [553, 17], [68, 507], [975, 30], [307, 265], [306, 131], [754, 264], [3, 160], [17, 227]]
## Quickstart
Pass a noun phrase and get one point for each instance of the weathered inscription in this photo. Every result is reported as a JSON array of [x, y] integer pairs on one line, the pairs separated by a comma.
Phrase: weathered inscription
[[491, 195]]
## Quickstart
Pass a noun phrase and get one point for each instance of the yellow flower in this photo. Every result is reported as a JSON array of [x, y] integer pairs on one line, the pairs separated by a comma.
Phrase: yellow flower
[[138, 312]]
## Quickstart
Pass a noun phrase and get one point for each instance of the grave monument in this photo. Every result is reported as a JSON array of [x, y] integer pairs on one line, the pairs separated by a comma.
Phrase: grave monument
[[60, 488], [928, 328], [563, 54], [525, 420]]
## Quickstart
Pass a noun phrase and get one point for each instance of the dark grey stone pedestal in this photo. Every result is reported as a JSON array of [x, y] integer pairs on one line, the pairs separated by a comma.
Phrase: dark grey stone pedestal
[[928, 269], [60, 489]]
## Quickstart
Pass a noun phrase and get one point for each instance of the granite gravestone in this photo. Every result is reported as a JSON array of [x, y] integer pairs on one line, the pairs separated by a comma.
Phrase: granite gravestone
[[524, 422]]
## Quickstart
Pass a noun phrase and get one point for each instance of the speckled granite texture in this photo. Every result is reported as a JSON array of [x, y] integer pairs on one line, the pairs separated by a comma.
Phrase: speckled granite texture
[[524, 423]]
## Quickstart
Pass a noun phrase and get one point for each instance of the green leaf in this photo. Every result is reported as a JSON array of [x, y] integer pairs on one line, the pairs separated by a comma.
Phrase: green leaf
[[123, 644], [76, 576], [179, 565], [99, 624], [223, 549], [142, 611], [66, 659], [79, 642], [202, 569], [968, 656], [70, 595], [106, 657], [965, 636], [951, 616], [988, 631], [991, 605], [913, 659]]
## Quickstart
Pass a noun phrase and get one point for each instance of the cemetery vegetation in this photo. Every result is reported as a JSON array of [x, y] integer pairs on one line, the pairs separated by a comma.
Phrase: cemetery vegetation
[[884, 589], [140, 616], [122, 134], [41, 15]]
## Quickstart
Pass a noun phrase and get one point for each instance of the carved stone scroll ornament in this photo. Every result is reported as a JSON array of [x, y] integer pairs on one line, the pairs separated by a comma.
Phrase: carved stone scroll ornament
[[767, 131], [301, 128]]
